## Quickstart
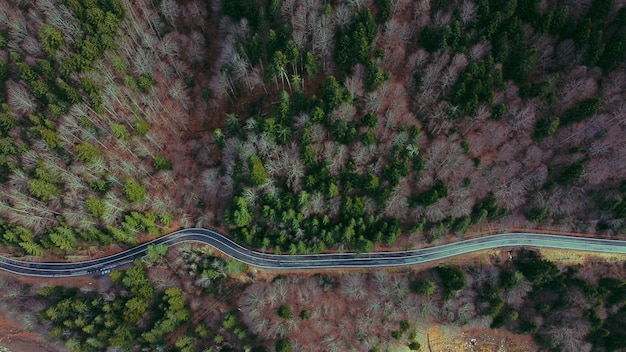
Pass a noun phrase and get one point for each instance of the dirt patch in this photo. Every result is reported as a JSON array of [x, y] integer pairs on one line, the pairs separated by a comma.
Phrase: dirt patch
[[451, 338], [16, 339]]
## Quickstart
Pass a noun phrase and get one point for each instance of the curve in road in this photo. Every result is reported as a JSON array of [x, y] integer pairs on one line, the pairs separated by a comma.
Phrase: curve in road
[[312, 261]]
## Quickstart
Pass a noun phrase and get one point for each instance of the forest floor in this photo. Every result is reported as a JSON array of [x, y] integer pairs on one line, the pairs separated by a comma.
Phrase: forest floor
[[454, 338], [16, 339]]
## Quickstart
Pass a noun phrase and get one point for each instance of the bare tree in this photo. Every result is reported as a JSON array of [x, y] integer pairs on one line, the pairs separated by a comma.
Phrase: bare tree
[[353, 286], [169, 9], [468, 12], [19, 98]]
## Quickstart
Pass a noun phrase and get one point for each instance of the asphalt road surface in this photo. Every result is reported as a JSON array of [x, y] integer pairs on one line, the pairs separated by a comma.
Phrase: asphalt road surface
[[312, 261]]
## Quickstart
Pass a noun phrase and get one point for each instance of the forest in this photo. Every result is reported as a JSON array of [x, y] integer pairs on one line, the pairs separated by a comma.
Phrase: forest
[[368, 122], [298, 126], [188, 299]]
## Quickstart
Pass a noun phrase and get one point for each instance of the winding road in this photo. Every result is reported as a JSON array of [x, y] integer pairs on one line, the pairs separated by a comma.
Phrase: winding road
[[312, 261]]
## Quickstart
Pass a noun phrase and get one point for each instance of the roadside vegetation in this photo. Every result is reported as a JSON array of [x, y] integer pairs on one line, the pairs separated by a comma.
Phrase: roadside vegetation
[[304, 126], [192, 301]]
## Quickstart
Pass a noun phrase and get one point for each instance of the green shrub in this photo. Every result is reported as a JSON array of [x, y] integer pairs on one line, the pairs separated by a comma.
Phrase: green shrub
[[570, 174], [283, 345], [258, 175], [438, 191], [161, 163], [284, 312], [546, 127], [96, 207], [414, 346], [452, 279], [581, 111], [87, 152], [134, 191]]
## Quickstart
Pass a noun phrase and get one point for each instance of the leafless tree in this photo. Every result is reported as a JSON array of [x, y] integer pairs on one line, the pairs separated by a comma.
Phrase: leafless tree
[[613, 88], [577, 84], [421, 11], [19, 98], [342, 15], [353, 286], [169, 9], [441, 18]]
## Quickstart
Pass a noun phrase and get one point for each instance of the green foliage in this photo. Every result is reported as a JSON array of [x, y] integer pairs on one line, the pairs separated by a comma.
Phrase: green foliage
[[491, 294], [99, 185], [510, 279], [374, 75], [220, 138], [145, 83], [488, 208], [332, 94], [185, 343], [438, 191], [546, 127], [461, 225], [161, 163], [498, 111], [87, 152], [134, 191], [7, 146], [502, 319], [7, 122], [43, 187], [614, 51], [235, 267], [534, 268], [258, 175], [283, 345], [304, 314], [383, 8], [452, 280], [68, 93], [414, 346], [92, 323], [431, 40], [571, 173], [475, 84], [541, 90], [284, 312], [423, 287], [93, 91], [32, 248], [465, 146], [176, 313], [355, 44], [311, 64], [595, 49], [581, 111], [120, 131], [538, 214], [26, 72], [600, 9], [141, 126], [521, 65], [239, 215], [238, 9], [96, 207], [528, 327], [156, 253]]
